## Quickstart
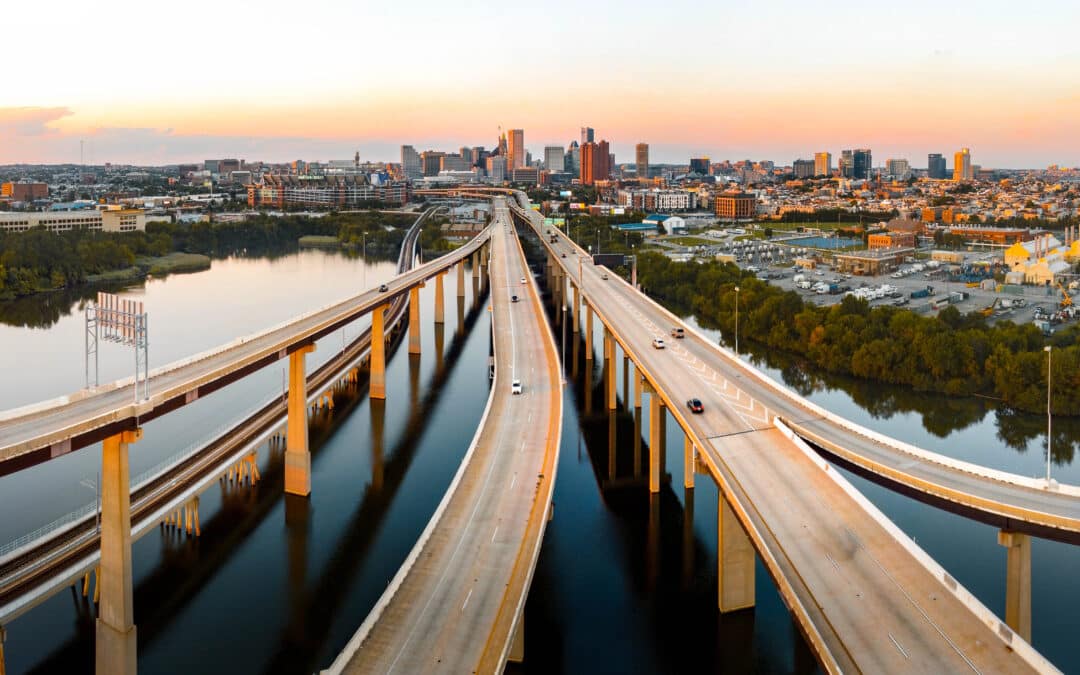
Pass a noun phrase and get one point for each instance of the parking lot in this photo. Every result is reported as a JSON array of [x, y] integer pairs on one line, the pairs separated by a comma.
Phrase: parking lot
[[776, 261]]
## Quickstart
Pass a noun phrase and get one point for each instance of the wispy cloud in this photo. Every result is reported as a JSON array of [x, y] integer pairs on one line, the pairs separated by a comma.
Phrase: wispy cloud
[[29, 121]]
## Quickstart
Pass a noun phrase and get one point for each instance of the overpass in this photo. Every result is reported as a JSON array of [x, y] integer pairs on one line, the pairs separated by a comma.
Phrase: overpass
[[33, 569], [457, 603], [864, 595]]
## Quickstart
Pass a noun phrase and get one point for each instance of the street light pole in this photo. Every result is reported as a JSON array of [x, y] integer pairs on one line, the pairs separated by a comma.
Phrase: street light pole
[[736, 322], [1048, 418]]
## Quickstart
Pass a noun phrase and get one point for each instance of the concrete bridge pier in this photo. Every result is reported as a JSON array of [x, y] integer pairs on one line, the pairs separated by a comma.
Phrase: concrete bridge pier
[[656, 466], [414, 319], [588, 333], [734, 559], [440, 310], [688, 537], [461, 279], [115, 633], [3, 638], [609, 367], [377, 381], [625, 379], [689, 463], [476, 264], [297, 458], [577, 308], [1017, 581], [639, 381]]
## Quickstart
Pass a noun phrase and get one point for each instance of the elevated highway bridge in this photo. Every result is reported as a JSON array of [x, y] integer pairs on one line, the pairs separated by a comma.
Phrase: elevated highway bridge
[[864, 595]]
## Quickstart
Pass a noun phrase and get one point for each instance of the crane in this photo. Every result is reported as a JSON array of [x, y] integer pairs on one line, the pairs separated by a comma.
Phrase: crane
[[1066, 299], [987, 311]]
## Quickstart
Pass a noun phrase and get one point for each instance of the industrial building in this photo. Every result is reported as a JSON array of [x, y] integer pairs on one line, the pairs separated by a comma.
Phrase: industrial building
[[112, 220]]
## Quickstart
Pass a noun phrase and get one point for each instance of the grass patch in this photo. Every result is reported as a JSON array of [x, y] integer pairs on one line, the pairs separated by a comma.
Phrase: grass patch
[[319, 241]]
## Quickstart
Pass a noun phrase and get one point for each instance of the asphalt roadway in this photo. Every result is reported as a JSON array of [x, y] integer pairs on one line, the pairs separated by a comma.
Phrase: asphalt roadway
[[455, 604]]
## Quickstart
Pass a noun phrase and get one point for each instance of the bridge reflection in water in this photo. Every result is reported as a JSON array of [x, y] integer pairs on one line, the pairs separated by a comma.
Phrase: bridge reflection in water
[[627, 580], [324, 568]]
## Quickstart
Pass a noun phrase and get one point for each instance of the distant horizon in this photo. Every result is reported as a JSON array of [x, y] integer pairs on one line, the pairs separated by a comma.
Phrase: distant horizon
[[775, 81], [625, 157]]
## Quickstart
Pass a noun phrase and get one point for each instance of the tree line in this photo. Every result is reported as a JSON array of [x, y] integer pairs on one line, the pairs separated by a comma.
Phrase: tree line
[[39, 260], [952, 353]]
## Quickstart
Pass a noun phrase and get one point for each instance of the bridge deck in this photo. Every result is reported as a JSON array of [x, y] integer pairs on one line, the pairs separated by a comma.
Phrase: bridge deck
[[453, 607]]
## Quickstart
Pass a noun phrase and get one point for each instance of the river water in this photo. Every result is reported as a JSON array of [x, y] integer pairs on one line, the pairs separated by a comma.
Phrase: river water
[[625, 583]]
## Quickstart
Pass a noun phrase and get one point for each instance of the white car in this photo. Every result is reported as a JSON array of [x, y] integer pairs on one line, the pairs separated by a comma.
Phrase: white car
[[515, 387], [522, 279], [658, 343]]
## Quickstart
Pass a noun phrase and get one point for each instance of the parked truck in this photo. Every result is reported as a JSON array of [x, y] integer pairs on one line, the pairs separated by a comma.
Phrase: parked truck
[[921, 293]]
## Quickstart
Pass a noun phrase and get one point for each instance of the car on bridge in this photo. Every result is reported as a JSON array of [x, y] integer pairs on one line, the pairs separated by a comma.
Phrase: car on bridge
[[522, 279], [695, 406], [658, 343], [513, 298], [382, 288], [678, 333], [515, 387]]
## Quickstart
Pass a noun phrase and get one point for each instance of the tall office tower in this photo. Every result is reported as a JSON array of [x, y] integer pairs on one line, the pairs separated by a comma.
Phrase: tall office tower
[[502, 144], [573, 159], [641, 154], [553, 158], [496, 168], [466, 155], [411, 168], [897, 168], [935, 166], [803, 168], [861, 163], [700, 165], [515, 149], [431, 162], [595, 162], [823, 164], [587, 134], [847, 164], [962, 165]]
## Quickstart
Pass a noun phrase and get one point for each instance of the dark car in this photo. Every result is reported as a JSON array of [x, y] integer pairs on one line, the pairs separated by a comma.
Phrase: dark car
[[564, 255], [513, 298], [382, 288], [695, 406]]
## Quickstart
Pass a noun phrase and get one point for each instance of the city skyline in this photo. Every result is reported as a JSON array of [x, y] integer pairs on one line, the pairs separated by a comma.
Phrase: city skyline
[[1007, 89]]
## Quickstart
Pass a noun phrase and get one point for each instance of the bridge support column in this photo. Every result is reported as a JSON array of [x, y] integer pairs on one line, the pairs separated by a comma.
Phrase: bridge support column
[[689, 462], [3, 638], [577, 308], [638, 381], [588, 332], [115, 633], [461, 279], [297, 458], [656, 409], [735, 560], [377, 381], [440, 310], [609, 367], [476, 265], [414, 320], [1017, 581]]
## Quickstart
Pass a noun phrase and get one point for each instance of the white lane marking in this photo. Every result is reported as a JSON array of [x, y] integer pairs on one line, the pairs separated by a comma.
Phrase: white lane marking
[[466, 599], [513, 481], [494, 533], [523, 446], [894, 641]]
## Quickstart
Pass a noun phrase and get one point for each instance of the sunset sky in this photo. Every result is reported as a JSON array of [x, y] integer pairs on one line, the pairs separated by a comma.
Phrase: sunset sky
[[155, 83]]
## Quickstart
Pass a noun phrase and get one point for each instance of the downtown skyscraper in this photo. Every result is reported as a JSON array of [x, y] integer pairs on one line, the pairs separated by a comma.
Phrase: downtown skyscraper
[[641, 155]]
